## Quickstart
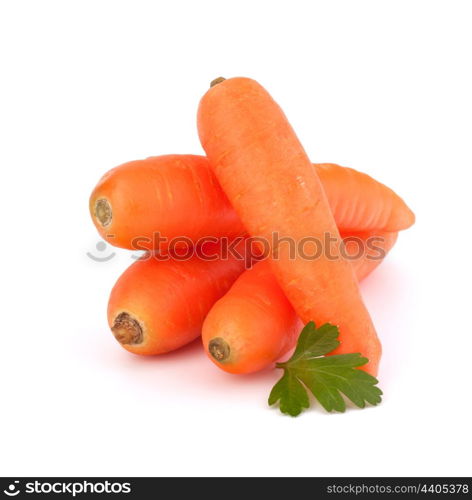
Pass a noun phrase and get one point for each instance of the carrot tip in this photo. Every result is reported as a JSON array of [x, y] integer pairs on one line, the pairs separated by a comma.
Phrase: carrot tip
[[127, 329], [219, 349], [103, 211], [216, 81]]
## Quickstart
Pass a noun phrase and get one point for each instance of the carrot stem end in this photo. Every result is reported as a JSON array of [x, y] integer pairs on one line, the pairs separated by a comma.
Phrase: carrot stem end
[[216, 81], [219, 349], [127, 330], [103, 212]]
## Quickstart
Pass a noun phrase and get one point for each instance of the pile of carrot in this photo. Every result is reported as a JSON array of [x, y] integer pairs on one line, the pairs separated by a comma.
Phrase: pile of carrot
[[257, 192]]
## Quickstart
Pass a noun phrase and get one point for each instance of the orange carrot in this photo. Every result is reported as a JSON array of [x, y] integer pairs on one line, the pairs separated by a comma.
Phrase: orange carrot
[[158, 306], [372, 205], [173, 195], [254, 324], [364, 250], [268, 178], [178, 195]]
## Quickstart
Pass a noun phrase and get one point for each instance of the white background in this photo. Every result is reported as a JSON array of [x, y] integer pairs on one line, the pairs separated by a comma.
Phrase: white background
[[382, 86]]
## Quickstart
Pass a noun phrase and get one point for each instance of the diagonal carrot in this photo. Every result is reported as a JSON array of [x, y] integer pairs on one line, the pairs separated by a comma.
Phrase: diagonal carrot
[[269, 180]]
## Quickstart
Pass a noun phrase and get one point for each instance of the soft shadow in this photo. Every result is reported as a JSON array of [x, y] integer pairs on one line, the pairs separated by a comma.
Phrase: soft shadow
[[193, 349]]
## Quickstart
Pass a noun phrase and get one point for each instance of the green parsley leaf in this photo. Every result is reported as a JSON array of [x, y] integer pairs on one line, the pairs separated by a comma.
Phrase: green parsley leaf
[[327, 377], [291, 393]]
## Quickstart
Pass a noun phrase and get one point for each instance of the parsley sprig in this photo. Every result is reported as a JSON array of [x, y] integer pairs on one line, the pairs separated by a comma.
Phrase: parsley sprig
[[325, 376]]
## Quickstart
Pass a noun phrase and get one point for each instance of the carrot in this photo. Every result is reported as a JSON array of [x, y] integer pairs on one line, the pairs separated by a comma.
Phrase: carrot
[[158, 306], [361, 202], [175, 195], [268, 178], [178, 195], [371, 243], [254, 324]]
